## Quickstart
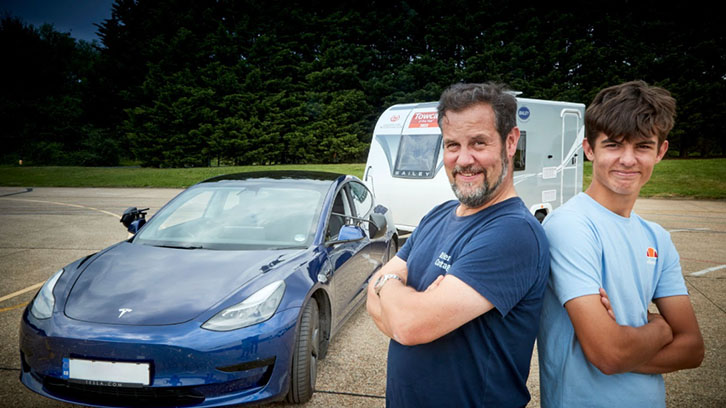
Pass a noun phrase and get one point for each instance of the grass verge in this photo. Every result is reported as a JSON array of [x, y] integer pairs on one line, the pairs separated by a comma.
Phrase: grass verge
[[681, 178], [691, 178], [61, 176]]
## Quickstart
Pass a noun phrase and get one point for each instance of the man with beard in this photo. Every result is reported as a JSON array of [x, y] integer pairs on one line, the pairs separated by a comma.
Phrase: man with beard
[[461, 299]]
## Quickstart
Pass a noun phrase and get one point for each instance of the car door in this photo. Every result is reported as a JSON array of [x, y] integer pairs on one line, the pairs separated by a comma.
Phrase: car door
[[363, 204], [349, 259], [370, 251]]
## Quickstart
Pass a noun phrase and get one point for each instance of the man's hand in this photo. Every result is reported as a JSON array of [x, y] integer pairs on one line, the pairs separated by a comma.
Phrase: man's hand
[[435, 283], [413, 317], [373, 302]]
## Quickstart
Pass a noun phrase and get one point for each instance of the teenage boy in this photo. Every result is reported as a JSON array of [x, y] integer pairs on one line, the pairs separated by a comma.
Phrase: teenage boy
[[598, 343]]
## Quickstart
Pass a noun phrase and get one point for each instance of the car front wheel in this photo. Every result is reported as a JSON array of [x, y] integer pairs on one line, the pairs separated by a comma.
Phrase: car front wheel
[[305, 357]]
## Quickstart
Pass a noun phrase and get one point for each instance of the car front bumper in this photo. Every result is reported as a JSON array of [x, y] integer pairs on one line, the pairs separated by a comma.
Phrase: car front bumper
[[189, 366]]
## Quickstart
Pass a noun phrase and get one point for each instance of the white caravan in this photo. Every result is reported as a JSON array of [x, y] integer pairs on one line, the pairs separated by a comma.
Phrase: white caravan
[[405, 168]]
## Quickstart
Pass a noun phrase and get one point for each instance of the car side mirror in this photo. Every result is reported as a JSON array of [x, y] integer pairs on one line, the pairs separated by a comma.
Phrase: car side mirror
[[135, 226], [133, 219], [377, 226], [348, 233]]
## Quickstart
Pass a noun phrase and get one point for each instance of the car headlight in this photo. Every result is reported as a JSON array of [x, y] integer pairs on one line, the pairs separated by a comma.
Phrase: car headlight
[[257, 308], [43, 303]]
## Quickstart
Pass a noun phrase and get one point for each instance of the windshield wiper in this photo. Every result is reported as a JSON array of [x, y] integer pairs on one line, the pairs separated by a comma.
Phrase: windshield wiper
[[287, 247], [181, 246]]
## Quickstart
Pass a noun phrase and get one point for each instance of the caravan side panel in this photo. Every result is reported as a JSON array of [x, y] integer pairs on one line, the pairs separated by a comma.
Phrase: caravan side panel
[[552, 132], [405, 163]]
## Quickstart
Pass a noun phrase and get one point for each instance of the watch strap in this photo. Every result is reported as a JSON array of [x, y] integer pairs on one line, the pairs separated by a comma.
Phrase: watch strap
[[382, 281]]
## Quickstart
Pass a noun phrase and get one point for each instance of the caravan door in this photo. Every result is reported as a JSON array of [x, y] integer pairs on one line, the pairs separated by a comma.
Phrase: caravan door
[[571, 181]]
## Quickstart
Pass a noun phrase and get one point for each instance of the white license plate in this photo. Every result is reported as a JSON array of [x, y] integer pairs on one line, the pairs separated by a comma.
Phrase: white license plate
[[107, 373]]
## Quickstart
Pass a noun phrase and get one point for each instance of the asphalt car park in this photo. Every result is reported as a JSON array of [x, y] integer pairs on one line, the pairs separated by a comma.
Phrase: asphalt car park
[[46, 228]]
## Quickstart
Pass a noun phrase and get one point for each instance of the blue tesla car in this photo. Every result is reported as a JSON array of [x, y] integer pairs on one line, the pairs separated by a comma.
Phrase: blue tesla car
[[229, 294]]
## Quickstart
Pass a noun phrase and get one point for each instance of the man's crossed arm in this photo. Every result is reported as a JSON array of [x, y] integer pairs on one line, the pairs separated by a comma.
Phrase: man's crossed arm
[[411, 317]]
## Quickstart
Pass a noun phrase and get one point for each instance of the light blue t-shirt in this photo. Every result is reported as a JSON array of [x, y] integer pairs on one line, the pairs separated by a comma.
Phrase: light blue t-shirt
[[636, 262]]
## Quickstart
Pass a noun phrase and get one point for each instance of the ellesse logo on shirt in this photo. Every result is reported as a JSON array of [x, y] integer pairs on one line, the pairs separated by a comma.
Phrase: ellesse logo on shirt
[[652, 255]]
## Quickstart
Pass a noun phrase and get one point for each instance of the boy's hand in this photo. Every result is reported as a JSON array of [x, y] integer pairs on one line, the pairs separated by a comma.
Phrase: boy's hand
[[606, 302]]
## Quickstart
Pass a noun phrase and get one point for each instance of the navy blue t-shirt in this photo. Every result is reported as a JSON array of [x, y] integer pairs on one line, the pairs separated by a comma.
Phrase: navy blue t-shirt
[[502, 253]]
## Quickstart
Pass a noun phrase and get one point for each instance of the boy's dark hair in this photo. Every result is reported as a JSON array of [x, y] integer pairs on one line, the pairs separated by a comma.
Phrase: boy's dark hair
[[630, 110], [462, 96]]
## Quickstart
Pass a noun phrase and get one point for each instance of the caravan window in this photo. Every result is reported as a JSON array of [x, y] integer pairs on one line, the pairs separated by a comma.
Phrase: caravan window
[[520, 156], [417, 156]]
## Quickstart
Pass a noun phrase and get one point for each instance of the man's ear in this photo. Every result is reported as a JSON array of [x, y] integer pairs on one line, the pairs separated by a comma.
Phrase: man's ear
[[512, 140], [662, 151], [588, 150]]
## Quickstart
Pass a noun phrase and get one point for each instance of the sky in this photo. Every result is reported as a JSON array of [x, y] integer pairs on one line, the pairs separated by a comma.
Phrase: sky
[[67, 16]]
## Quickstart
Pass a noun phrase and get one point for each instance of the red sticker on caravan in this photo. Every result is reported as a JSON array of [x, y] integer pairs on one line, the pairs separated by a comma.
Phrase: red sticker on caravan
[[424, 120]]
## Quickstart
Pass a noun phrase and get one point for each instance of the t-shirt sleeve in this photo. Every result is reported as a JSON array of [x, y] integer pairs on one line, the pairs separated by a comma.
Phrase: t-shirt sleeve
[[670, 282], [502, 262], [575, 256], [405, 249]]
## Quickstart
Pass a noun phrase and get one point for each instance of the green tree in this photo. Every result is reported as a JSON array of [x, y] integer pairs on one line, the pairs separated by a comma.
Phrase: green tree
[[44, 97], [200, 82]]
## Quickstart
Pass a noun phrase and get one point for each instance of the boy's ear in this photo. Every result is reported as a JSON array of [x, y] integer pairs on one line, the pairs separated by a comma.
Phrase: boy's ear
[[588, 150], [662, 151]]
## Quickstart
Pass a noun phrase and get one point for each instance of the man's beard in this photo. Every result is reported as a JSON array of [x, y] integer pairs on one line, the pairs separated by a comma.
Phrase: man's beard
[[481, 195]]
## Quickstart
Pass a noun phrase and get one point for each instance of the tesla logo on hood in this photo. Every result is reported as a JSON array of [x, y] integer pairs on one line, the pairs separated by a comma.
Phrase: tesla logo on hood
[[124, 311]]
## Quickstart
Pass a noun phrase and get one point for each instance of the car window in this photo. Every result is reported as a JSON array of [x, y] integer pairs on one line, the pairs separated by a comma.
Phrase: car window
[[241, 217], [231, 201], [362, 199], [190, 210], [341, 208]]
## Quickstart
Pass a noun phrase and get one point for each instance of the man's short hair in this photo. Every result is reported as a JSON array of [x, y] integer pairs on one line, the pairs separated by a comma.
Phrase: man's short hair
[[632, 110], [459, 97]]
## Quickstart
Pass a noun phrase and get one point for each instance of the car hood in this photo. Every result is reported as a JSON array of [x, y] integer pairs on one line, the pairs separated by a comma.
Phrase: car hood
[[145, 285]]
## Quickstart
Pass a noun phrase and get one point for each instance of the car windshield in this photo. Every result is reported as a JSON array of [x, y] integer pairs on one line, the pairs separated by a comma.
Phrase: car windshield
[[255, 215]]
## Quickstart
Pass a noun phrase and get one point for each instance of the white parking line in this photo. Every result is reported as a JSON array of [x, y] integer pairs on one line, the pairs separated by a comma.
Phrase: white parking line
[[7, 309], [37, 285], [707, 270], [21, 291], [689, 229], [67, 205]]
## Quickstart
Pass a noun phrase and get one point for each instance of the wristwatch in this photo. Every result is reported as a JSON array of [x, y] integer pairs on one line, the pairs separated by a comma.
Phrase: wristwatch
[[382, 281]]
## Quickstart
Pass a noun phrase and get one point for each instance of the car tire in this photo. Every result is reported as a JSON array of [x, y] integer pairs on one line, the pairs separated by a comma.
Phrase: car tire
[[305, 356]]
